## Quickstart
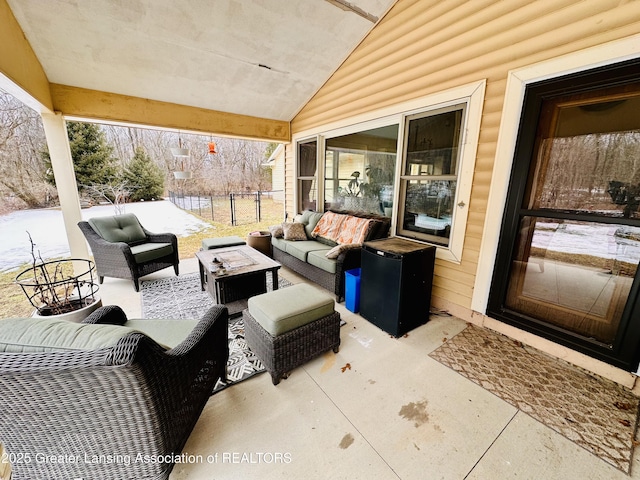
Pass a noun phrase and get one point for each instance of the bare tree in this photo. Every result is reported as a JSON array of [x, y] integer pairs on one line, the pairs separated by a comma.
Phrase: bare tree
[[237, 165], [116, 194], [22, 142]]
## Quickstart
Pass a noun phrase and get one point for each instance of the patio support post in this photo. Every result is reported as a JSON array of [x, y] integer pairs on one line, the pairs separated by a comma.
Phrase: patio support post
[[55, 130]]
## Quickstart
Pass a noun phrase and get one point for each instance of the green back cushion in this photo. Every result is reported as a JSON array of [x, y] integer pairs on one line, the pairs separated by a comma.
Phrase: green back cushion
[[119, 228], [312, 221], [309, 219], [32, 335]]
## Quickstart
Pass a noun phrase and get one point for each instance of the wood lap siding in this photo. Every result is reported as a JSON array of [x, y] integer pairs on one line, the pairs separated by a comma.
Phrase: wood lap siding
[[423, 47]]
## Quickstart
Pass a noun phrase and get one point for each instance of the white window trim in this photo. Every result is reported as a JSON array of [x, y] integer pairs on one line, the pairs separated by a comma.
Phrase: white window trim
[[517, 81], [296, 184], [473, 95], [458, 175]]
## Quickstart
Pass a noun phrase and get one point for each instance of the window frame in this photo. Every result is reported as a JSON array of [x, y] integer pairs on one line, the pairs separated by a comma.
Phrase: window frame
[[514, 97], [471, 94], [300, 178], [621, 352], [406, 178]]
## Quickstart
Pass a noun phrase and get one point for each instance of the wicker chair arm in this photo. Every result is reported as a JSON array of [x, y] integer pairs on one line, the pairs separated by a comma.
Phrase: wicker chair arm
[[210, 332], [347, 260], [161, 237], [107, 315]]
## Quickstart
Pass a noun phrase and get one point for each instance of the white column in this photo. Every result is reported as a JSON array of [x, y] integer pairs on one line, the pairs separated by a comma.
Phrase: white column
[[55, 129]]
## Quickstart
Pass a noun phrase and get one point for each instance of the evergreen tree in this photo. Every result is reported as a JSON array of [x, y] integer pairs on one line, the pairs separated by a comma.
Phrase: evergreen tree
[[145, 178], [269, 149], [93, 160]]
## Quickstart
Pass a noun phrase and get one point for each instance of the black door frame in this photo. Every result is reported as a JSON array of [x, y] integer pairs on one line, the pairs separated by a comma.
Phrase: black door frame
[[625, 350]]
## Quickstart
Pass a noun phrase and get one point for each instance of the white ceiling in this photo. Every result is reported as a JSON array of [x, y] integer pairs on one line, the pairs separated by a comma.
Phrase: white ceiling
[[205, 53]]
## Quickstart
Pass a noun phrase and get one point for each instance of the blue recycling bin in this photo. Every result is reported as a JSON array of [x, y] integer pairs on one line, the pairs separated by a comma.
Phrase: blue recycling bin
[[352, 290]]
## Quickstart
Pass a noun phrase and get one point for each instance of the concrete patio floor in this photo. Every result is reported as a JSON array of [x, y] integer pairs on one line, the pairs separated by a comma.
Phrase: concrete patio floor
[[379, 409]]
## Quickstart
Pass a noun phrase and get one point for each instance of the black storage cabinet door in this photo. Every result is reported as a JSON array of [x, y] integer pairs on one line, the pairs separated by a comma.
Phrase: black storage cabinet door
[[395, 284]]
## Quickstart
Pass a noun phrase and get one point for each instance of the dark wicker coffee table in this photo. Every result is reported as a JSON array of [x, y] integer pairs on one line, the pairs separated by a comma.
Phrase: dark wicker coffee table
[[245, 275]]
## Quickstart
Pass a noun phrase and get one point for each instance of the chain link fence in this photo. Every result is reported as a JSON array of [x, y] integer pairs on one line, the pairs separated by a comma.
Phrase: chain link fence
[[233, 209]]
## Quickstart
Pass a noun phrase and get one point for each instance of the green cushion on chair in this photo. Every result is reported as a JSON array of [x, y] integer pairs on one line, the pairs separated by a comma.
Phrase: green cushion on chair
[[221, 242], [284, 310], [119, 228], [147, 252], [169, 333], [32, 335]]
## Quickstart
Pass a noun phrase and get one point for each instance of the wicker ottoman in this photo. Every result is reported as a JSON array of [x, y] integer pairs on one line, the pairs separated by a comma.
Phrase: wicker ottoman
[[221, 242], [288, 327]]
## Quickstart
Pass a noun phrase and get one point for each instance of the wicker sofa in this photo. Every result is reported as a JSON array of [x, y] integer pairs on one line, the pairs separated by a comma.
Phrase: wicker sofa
[[326, 253], [77, 405]]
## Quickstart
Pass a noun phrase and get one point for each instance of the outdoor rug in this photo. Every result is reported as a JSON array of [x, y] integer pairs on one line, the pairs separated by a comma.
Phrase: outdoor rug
[[595, 413], [182, 298]]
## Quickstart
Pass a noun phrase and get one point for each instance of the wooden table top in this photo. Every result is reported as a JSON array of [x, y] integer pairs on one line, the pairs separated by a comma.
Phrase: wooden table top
[[237, 260]]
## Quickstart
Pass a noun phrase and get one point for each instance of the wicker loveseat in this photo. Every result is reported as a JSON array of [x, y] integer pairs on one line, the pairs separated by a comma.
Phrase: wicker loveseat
[[323, 253], [77, 405], [122, 248]]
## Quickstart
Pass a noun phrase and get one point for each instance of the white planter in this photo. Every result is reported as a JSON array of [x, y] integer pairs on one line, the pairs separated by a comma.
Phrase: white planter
[[180, 152], [75, 316], [181, 175]]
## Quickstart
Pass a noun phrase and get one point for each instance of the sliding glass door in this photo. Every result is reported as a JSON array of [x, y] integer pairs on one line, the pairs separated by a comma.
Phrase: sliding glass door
[[570, 249]]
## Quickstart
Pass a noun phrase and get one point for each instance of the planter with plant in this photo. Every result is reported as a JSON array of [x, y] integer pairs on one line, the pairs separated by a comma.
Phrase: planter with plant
[[66, 288]]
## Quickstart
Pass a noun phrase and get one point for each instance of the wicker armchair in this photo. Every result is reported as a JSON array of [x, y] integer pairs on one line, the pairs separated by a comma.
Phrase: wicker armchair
[[120, 412], [122, 248]]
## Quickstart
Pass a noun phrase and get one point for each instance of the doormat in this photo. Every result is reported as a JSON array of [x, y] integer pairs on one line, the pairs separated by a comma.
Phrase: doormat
[[595, 413]]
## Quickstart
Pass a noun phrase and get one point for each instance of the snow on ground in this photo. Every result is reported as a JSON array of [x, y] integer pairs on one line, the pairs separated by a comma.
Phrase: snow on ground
[[47, 229], [596, 239]]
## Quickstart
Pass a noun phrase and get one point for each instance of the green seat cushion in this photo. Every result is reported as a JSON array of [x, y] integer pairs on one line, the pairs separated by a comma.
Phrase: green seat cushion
[[119, 228], [169, 333], [318, 258], [279, 243], [33, 335], [147, 252], [300, 249], [283, 310], [221, 242]]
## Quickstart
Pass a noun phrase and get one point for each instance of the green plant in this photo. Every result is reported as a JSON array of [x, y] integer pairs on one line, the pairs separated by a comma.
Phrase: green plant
[[353, 188], [145, 176]]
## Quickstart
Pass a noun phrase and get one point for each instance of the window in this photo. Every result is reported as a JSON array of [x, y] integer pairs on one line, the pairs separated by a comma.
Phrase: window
[[413, 161], [430, 174], [307, 169], [360, 170]]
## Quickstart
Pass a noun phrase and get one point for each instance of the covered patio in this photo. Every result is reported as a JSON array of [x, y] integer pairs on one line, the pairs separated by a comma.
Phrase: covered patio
[[298, 73]]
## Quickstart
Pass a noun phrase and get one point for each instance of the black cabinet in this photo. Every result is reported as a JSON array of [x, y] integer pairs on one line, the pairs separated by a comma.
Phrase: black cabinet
[[395, 284]]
